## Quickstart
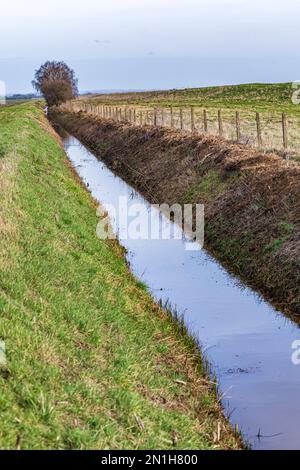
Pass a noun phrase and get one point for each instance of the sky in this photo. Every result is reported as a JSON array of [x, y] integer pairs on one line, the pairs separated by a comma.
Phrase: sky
[[151, 44]]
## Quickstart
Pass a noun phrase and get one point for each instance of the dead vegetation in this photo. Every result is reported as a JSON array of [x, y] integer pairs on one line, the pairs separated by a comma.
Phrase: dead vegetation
[[252, 199]]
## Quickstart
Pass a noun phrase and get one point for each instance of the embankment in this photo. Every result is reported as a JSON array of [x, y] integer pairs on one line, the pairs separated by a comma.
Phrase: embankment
[[91, 361], [252, 199]]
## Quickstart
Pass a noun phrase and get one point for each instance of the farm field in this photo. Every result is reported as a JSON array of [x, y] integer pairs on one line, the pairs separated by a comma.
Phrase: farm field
[[269, 100]]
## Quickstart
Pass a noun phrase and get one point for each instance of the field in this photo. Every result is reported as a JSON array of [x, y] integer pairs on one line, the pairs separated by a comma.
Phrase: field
[[91, 360], [269, 100]]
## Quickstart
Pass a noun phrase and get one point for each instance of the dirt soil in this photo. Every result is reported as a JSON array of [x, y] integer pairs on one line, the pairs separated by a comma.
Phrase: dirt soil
[[252, 199]]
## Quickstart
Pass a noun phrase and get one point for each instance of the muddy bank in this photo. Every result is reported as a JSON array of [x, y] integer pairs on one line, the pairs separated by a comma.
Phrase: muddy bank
[[252, 199]]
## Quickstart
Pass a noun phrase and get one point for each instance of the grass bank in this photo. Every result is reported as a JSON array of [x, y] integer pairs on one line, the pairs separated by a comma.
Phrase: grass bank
[[252, 199], [91, 360]]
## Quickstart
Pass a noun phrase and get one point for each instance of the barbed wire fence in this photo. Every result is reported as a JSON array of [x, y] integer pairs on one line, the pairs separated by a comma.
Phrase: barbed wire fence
[[263, 130]]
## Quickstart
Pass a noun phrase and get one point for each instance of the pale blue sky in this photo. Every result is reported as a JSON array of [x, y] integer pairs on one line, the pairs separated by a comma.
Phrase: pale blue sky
[[142, 44]]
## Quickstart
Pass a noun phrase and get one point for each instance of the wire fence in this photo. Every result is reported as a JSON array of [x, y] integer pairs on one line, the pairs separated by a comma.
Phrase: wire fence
[[276, 131]]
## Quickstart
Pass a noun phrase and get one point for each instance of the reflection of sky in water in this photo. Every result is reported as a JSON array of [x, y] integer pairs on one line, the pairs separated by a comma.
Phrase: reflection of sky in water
[[247, 342]]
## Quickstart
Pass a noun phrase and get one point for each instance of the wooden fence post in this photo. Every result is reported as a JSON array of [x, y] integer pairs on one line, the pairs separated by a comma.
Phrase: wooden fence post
[[162, 117], [155, 117], [205, 122], [193, 120], [285, 131], [181, 118], [220, 123], [238, 125], [172, 117], [258, 127]]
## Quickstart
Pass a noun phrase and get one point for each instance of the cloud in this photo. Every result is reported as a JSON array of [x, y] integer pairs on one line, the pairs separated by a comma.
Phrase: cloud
[[102, 41]]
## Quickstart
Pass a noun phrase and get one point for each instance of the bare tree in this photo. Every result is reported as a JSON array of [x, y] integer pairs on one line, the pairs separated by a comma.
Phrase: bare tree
[[56, 82]]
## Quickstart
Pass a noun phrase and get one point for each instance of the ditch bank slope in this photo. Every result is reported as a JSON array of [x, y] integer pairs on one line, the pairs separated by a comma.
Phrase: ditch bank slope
[[252, 199], [91, 361]]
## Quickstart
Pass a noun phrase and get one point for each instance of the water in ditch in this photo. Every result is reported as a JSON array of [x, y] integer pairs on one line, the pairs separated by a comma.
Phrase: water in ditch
[[247, 342]]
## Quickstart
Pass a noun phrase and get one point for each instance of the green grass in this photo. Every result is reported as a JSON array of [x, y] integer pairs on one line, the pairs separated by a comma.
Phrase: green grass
[[209, 188], [253, 96], [92, 362]]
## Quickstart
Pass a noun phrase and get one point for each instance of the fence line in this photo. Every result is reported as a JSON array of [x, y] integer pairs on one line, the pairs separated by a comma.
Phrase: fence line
[[185, 119]]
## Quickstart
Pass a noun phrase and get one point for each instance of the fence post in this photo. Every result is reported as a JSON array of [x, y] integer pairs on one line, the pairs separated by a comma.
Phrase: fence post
[[258, 127], [285, 131], [220, 121], [205, 120], [155, 117], [181, 118], [238, 125], [172, 117], [192, 119], [162, 117]]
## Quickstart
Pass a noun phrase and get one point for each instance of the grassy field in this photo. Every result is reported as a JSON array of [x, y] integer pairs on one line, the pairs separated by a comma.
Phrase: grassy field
[[270, 100], [91, 361], [262, 97]]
